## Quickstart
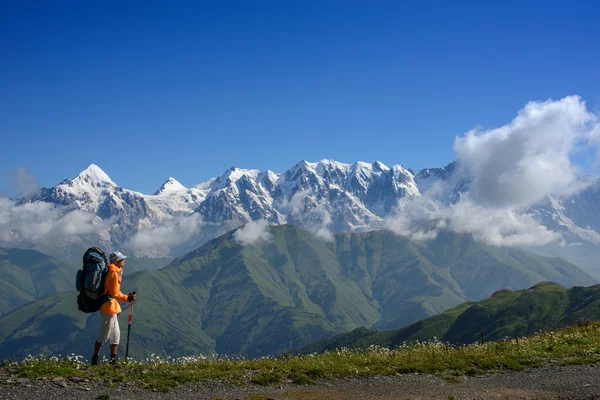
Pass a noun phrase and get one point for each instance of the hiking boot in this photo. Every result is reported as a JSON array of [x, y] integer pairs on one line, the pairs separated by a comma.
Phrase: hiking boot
[[113, 360], [95, 360]]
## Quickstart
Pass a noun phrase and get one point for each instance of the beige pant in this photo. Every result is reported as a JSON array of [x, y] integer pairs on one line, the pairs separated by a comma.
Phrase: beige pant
[[109, 329]]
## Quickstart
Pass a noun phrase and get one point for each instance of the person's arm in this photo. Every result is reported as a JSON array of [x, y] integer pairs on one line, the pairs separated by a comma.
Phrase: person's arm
[[114, 288]]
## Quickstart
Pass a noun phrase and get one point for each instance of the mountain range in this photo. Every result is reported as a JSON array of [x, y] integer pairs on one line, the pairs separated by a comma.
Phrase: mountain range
[[323, 197], [286, 290]]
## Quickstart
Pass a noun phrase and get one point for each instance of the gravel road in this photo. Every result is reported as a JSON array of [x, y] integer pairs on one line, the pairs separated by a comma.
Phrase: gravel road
[[574, 382]]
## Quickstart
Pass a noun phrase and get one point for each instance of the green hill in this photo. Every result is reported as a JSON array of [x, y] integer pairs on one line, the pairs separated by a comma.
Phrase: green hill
[[414, 280], [288, 292], [506, 313], [28, 275]]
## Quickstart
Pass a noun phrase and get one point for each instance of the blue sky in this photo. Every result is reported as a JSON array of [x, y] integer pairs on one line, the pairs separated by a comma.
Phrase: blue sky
[[149, 90]]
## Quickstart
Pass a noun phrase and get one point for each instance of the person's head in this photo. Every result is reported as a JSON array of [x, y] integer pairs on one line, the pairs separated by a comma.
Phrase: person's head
[[117, 258]]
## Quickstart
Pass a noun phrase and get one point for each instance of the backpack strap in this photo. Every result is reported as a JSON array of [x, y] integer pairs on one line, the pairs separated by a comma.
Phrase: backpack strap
[[106, 293]]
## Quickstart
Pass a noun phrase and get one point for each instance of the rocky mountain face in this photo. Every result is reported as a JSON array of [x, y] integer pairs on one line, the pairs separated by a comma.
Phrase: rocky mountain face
[[323, 197]]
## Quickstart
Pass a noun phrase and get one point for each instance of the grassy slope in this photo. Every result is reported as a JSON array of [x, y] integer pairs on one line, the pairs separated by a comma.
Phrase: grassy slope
[[27, 275], [569, 346], [506, 313]]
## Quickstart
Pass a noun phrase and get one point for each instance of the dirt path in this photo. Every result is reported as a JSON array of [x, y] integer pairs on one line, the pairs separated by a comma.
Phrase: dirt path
[[577, 382]]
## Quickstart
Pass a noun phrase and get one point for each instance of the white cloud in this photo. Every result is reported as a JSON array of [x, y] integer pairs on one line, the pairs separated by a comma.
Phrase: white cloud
[[314, 214], [418, 218], [498, 226], [296, 204], [510, 168], [253, 232], [422, 219], [321, 230], [520, 163], [41, 222], [153, 240]]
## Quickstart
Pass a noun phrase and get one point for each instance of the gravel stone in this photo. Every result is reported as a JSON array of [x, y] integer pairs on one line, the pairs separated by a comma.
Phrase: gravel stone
[[552, 382], [61, 382]]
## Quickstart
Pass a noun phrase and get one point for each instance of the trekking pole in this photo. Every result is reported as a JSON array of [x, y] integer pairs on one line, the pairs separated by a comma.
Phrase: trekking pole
[[129, 318]]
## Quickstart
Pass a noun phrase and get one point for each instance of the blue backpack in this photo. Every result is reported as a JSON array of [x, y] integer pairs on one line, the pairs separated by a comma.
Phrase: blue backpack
[[90, 281]]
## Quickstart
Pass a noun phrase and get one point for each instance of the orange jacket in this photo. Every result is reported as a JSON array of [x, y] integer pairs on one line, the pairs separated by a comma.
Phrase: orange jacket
[[112, 285]]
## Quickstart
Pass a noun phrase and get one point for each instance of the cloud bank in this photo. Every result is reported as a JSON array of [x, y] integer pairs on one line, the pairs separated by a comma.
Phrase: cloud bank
[[508, 169], [253, 232], [155, 240], [46, 223]]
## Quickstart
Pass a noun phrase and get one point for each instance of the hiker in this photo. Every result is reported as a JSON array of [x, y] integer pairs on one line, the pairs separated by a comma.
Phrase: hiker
[[109, 325]]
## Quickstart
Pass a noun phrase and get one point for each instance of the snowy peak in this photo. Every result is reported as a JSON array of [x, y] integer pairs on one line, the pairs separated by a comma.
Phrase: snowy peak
[[439, 173], [380, 167], [170, 186], [91, 191], [232, 175], [331, 164], [94, 175], [366, 169], [364, 174], [326, 165], [268, 179], [446, 181], [399, 169], [90, 180]]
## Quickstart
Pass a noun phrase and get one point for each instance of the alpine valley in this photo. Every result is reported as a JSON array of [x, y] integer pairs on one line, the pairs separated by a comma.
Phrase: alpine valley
[[286, 291]]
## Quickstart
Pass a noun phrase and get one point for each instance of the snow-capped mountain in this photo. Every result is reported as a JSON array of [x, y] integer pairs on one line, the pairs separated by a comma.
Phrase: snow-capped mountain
[[93, 191], [576, 216], [173, 199], [239, 196], [170, 186], [324, 196], [454, 181]]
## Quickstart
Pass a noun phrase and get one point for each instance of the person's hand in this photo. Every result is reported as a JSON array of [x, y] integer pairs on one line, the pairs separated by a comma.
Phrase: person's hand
[[131, 297]]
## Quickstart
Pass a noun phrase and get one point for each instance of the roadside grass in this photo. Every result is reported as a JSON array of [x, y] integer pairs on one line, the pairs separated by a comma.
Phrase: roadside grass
[[576, 344]]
